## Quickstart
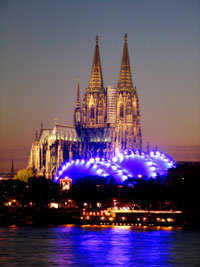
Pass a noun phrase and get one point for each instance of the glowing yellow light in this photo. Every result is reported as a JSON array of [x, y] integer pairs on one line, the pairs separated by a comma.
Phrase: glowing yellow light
[[170, 220], [66, 183], [53, 205]]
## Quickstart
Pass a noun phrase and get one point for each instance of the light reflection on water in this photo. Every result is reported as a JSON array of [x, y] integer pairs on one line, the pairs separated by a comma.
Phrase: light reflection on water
[[98, 246]]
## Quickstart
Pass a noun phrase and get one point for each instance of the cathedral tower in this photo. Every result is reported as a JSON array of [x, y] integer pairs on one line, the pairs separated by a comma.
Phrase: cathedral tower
[[94, 101], [77, 111], [128, 129]]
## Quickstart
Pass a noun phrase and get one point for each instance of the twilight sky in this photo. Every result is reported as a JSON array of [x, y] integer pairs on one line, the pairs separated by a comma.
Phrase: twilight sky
[[46, 45]]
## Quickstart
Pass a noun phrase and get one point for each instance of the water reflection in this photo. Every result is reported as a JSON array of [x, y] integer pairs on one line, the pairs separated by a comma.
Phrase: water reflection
[[98, 246]]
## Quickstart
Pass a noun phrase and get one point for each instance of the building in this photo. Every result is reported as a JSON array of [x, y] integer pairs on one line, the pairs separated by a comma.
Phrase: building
[[107, 122], [126, 166], [111, 105], [185, 175]]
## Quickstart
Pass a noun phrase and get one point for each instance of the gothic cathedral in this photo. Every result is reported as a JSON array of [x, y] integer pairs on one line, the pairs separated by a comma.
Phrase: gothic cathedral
[[107, 122]]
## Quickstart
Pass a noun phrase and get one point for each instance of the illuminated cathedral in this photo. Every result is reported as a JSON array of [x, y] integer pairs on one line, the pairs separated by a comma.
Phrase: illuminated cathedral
[[104, 124]]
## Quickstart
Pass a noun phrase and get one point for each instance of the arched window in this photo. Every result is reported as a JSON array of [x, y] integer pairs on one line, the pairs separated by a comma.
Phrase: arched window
[[84, 109], [128, 108], [92, 112], [121, 111], [100, 108]]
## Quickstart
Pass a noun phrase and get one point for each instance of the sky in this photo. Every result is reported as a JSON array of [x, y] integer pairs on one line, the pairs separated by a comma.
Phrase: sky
[[46, 45]]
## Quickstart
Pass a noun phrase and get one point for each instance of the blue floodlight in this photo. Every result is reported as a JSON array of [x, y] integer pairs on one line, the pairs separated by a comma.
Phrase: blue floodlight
[[137, 164]]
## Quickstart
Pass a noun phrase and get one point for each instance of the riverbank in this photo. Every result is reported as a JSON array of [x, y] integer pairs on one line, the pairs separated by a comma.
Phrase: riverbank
[[136, 218], [37, 216]]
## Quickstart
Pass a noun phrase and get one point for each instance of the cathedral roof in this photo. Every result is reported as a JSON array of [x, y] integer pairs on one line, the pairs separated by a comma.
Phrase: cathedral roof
[[60, 132], [97, 134], [96, 81], [66, 132], [125, 78], [69, 133], [44, 135]]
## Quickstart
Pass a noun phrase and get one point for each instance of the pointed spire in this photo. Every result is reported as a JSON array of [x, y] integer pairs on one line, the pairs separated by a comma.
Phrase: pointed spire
[[78, 99], [12, 167], [55, 122], [36, 135], [96, 81], [125, 78]]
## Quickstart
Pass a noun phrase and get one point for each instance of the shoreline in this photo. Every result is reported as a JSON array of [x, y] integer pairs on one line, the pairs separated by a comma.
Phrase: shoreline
[[48, 216]]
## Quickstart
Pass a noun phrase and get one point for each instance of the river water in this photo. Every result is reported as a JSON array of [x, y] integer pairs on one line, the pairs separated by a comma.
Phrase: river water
[[98, 246]]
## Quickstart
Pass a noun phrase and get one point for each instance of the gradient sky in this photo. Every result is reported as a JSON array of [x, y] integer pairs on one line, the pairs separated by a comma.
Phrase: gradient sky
[[46, 45]]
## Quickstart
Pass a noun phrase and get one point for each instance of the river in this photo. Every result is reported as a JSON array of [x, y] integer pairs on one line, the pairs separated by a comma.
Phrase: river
[[98, 246]]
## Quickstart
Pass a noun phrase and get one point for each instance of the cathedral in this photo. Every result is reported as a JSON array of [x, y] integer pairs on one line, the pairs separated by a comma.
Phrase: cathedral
[[107, 122]]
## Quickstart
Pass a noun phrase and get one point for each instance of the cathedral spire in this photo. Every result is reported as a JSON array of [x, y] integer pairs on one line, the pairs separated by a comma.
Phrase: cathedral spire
[[125, 78], [12, 167], [36, 136], [96, 81], [78, 99]]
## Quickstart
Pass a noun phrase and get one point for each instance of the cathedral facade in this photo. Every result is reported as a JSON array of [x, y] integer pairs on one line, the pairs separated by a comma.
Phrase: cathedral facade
[[107, 122]]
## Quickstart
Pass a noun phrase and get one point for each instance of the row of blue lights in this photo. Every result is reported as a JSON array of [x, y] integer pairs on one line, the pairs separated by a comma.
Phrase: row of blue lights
[[102, 167]]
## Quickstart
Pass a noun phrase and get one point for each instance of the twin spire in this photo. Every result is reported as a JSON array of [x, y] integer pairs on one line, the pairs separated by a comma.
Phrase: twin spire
[[125, 77], [96, 81]]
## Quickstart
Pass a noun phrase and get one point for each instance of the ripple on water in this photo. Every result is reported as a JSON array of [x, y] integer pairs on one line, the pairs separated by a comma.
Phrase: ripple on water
[[98, 246]]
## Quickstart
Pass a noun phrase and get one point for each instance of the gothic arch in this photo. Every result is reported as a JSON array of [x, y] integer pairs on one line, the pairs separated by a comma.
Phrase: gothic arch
[[84, 109], [92, 112], [129, 108], [100, 107], [121, 111]]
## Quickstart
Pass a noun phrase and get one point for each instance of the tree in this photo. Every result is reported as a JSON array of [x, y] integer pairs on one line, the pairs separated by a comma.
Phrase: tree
[[24, 174]]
